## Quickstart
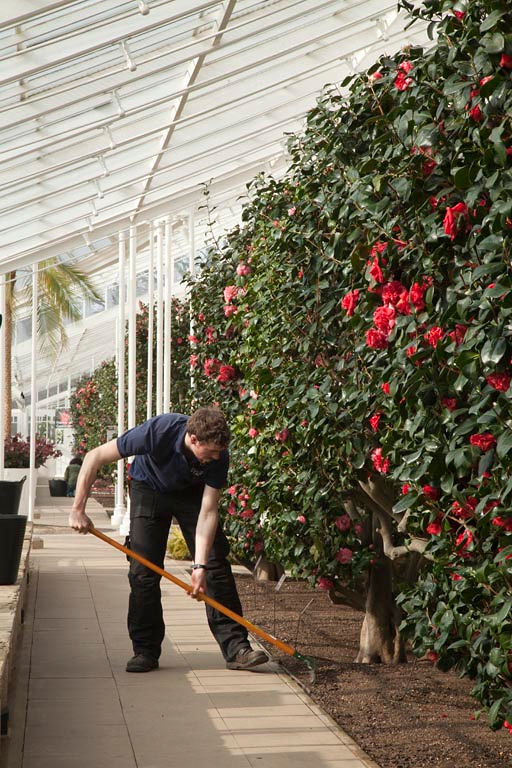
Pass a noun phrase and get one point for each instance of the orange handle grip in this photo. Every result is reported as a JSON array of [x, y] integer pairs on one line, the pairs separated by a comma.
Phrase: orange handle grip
[[227, 611]]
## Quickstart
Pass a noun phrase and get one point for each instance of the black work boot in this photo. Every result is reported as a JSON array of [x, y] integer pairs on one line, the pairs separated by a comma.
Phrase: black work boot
[[141, 663], [247, 658]]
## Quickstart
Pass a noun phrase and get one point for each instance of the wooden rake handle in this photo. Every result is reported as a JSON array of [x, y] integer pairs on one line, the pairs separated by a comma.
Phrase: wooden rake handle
[[201, 596]]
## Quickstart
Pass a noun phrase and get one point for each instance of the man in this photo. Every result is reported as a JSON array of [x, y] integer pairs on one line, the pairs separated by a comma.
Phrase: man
[[179, 469]]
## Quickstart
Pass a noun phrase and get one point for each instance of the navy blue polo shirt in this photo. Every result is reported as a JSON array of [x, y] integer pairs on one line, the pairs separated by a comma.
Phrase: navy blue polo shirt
[[160, 461]]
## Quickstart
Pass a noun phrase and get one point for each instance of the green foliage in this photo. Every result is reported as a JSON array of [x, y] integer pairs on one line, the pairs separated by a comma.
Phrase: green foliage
[[177, 546], [374, 282]]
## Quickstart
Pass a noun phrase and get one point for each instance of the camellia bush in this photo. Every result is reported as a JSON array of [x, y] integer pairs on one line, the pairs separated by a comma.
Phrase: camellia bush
[[356, 331], [17, 451]]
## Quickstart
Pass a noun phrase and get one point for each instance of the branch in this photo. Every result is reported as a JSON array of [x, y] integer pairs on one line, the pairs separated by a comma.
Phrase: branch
[[346, 596]]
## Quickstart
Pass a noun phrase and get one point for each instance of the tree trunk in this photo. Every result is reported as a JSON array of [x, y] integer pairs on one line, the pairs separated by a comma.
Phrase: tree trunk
[[267, 571], [7, 330], [380, 641]]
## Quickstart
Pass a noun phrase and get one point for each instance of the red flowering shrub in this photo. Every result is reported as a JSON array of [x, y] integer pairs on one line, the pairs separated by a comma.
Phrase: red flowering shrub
[[17, 451]]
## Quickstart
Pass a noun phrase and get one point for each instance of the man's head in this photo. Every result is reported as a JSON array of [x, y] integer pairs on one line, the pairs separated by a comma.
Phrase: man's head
[[207, 434]]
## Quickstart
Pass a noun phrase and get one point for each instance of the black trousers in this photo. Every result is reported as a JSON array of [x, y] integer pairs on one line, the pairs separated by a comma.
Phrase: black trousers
[[151, 514]]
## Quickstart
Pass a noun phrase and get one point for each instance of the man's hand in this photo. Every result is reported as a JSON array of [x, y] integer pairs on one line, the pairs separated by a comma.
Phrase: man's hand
[[79, 521], [198, 582]]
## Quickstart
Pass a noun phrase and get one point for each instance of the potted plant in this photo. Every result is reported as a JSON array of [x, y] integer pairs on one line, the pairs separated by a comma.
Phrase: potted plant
[[17, 460]]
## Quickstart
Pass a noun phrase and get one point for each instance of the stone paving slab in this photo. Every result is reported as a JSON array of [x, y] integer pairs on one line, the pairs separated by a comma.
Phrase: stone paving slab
[[84, 711]]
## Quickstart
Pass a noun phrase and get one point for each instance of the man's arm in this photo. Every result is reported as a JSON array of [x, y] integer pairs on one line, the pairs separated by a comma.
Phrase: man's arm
[[206, 529], [103, 454]]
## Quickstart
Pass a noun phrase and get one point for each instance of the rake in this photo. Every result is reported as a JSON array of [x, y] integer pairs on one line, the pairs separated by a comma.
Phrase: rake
[[284, 647]]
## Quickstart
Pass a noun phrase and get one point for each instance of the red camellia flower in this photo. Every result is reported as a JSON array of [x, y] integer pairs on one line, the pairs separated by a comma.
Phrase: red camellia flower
[[459, 14], [343, 522], [464, 511], [506, 61], [376, 76], [452, 217], [500, 381], [434, 528], [282, 436], [375, 270], [430, 492], [503, 522], [484, 441], [458, 334], [433, 336], [226, 373], [416, 296], [456, 577], [385, 387], [193, 360], [508, 726], [325, 583], [374, 420], [230, 309], [405, 489], [384, 319], [247, 514], [463, 541], [349, 302], [402, 82], [449, 402], [230, 293], [476, 113], [253, 432], [432, 656], [380, 463], [301, 519], [344, 555], [376, 339]]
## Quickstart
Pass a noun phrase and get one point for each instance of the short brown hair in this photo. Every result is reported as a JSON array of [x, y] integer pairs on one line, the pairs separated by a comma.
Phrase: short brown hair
[[209, 426]]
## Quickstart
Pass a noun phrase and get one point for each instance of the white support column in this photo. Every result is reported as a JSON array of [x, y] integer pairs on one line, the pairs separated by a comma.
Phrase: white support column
[[159, 320], [120, 509], [33, 397], [132, 349], [2, 374], [192, 270], [151, 315], [167, 316]]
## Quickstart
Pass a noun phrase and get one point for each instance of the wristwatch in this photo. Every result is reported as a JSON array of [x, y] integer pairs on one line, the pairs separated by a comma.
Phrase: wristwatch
[[195, 566]]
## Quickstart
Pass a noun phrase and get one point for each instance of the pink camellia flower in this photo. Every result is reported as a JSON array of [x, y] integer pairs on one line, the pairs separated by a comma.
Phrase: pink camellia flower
[[230, 309], [243, 269], [452, 219], [201, 317], [433, 335], [292, 211], [430, 492], [384, 319], [230, 293], [376, 339], [247, 514], [325, 583], [344, 555], [301, 519], [434, 528], [210, 366], [258, 546], [349, 302], [484, 441], [253, 432], [232, 509], [374, 420], [210, 334], [193, 360], [358, 530], [432, 656], [376, 76], [499, 381], [449, 402], [226, 373], [506, 61], [380, 463], [282, 435], [343, 522], [402, 82], [385, 387], [231, 491]]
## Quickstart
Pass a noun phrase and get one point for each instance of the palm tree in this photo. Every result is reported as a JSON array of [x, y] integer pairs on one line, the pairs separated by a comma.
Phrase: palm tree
[[61, 287]]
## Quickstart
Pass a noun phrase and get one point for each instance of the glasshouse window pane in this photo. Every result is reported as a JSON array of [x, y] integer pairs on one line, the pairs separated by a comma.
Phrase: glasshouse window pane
[[93, 307], [23, 329], [112, 295], [142, 283]]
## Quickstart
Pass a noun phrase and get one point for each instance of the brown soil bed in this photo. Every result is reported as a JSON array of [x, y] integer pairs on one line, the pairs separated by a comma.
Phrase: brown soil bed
[[406, 716]]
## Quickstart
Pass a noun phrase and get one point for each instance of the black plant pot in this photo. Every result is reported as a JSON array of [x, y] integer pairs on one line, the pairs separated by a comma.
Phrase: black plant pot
[[10, 495], [57, 487], [12, 532]]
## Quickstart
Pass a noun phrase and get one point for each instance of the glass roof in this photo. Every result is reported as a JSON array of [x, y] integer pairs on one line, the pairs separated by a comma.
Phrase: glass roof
[[115, 112]]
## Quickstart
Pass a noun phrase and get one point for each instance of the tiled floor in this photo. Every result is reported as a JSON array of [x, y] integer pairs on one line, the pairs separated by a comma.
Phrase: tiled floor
[[76, 707]]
